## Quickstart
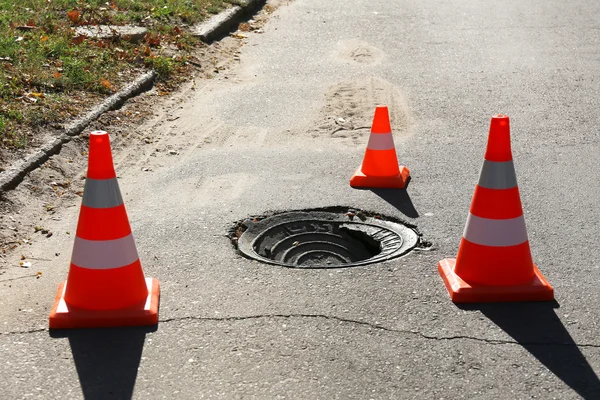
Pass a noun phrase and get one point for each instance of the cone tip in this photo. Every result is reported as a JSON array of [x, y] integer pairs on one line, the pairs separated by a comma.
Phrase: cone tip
[[99, 137], [500, 119], [381, 120], [498, 148], [100, 162]]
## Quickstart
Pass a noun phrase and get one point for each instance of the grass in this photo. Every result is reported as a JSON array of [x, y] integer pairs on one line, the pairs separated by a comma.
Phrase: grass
[[46, 71]]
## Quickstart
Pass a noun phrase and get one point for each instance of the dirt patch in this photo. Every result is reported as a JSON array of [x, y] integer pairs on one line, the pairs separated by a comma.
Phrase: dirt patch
[[58, 57], [27, 211], [349, 108], [360, 52]]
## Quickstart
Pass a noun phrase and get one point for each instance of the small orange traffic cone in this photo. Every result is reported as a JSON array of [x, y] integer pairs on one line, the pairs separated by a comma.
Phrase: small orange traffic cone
[[106, 285], [494, 260], [380, 168]]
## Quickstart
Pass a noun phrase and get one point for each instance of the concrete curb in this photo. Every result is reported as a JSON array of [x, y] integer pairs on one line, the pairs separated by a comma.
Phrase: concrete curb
[[221, 24], [11, 178], [209, 31]]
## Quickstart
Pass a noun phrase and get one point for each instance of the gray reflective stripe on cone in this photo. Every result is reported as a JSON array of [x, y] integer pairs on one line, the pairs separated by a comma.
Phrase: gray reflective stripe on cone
[[495, 232], [102, 193], [104, 254], [380, 141], [498, 175]]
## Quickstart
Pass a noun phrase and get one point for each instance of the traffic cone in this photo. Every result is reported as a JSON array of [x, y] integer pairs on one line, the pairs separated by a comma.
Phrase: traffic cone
[[494, 260], [379, 168], [106, 285]]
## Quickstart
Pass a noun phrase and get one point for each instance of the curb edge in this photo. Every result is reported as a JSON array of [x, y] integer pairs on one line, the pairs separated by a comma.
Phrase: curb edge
[[208, 32], [219, 25], [14, 175]]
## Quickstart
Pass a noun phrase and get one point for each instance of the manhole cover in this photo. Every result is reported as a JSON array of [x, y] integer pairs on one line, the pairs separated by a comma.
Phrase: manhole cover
[[324, 239]]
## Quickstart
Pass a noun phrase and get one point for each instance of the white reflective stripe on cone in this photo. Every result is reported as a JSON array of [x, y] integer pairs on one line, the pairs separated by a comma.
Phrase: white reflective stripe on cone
[[495, 232], [498, 175], [104, 254], [380, 141], [101, 193]]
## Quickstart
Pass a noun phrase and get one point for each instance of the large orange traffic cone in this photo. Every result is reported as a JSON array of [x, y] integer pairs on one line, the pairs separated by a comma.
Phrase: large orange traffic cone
[[106, 284], [380, 167], [494, 260]]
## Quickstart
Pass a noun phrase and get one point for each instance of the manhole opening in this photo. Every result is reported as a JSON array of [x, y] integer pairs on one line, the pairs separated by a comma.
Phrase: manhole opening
[[324, 238]]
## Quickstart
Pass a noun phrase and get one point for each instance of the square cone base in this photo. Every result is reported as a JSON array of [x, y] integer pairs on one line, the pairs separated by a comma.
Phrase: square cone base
[[64, 316], [462, 292], [360, 180]]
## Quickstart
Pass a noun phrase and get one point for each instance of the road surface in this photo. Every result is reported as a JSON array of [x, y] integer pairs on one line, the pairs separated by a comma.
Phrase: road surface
[[266, 136]]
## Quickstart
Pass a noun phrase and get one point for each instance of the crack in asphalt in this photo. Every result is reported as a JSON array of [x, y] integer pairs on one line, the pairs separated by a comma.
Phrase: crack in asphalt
[[347, 321], [378, 327], [35, 330]]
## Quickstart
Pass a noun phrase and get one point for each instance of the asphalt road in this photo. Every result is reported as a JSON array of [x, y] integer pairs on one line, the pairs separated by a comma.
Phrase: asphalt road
[[250, 142]]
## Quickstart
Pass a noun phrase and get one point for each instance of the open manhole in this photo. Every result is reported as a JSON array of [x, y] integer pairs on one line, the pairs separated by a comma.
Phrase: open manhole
[[324, 239]]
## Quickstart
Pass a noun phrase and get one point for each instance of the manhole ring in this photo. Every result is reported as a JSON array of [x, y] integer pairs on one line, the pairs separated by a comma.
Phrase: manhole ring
[[324, 239]]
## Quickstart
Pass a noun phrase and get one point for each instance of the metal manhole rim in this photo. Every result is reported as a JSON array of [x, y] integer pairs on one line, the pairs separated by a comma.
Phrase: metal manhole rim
[[409, 235]]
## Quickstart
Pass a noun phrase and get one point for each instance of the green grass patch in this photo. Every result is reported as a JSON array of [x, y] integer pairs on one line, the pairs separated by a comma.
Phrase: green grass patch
[[43, 65]]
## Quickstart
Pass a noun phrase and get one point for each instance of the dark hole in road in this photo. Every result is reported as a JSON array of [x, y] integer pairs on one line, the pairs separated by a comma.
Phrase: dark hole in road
[[324, 238]]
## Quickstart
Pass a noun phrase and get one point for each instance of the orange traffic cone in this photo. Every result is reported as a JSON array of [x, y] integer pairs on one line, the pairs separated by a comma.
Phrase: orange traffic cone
[[106, 285], [494, 260], [380, 168]]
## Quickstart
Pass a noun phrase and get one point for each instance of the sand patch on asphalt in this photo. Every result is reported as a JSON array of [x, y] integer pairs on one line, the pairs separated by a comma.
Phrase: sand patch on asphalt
[[360, 52], [349, 107]]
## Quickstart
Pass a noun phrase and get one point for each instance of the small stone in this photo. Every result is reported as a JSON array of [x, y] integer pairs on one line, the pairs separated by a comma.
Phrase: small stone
[[133, 34]]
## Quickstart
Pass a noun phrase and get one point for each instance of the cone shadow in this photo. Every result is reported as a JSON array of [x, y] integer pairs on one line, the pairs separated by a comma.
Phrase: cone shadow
[[399, 199], [537, 328], [106, 360]]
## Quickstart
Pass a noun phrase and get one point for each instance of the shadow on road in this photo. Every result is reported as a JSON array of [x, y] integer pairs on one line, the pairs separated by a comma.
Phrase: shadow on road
[[107, 360], [537, 328], [398, 198]]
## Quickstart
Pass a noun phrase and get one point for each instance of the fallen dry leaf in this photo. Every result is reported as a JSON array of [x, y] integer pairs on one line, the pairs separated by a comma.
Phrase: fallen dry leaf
[[106, 84], [153, 40], [73, 15], [245, 27], [78, 39]]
